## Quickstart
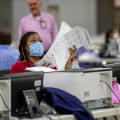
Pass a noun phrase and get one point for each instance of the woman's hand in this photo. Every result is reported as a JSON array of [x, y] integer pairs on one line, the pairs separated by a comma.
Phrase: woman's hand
[[73, 53], [47, 65]]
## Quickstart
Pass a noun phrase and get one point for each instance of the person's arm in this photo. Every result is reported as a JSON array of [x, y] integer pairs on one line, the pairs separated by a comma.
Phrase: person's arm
[[18, 67], [68, 64], [73, 53], [54, 29]]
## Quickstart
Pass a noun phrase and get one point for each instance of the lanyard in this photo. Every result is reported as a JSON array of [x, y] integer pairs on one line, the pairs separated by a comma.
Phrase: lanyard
[[33, 64]]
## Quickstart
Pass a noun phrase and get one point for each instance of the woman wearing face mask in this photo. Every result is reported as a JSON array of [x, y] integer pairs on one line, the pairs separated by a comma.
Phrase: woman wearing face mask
[[31, 51], [112, 38]]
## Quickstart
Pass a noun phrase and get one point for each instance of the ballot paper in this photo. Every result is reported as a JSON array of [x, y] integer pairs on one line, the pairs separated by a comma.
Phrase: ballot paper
[[37, 69], [50, 55], [58, 53]]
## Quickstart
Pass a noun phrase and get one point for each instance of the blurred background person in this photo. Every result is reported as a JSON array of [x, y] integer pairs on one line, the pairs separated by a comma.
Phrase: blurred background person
[[111, 44], [119, 33], [119, 43], [42, 23], [84, 54], [8, 56]]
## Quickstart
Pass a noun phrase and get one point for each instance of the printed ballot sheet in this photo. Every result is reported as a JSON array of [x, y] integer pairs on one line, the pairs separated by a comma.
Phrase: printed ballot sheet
[[37, 69], [50, 55], [58, 53]]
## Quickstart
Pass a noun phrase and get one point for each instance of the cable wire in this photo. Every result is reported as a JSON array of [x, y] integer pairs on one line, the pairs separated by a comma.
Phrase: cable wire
[[110, 89], [45, 115], [5, 103]]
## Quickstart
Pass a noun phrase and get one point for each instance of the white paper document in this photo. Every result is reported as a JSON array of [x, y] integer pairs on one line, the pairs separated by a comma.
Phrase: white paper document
[[37, 69], [58, 53]]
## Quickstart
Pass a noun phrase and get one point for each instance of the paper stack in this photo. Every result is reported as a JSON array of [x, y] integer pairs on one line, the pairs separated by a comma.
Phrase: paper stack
[[58, 53]]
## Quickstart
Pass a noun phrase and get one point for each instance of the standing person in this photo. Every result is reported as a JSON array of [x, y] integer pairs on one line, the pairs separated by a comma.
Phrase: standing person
[[42, 23], [112, 37], [8, 56]]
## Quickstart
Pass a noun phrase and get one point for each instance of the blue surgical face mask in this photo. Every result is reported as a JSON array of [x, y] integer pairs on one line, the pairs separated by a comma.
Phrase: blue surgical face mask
[[36, 49]]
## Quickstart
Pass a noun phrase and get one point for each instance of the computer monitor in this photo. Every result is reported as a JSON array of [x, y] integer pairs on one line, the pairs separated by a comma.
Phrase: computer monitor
[[21, 82]]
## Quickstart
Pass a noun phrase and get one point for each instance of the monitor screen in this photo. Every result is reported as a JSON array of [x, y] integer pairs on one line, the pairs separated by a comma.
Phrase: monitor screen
[[21, 82]]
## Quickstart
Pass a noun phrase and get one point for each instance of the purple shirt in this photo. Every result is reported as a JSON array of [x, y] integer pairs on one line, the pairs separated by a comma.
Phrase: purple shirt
[[46, 27]]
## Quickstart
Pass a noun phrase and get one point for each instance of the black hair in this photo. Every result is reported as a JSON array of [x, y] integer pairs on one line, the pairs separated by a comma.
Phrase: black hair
[[107, 37], [23, 43], [5, 37]]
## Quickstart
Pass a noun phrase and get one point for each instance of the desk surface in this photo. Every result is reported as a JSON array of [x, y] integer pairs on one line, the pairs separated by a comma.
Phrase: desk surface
[[108, 60], [106, 112], [97, 113], [53, 117]]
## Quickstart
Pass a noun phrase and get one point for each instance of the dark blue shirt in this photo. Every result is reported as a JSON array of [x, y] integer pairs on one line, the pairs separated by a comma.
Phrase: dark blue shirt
[[64, 102]]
